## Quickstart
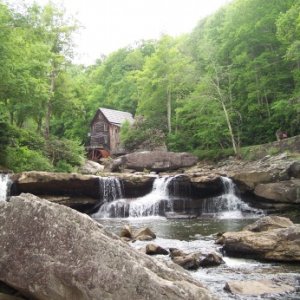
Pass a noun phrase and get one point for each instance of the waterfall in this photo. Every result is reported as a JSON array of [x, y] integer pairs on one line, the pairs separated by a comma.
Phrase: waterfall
[[110, 188], [149, 205], [110, 191], [229, 205], [4, 186]]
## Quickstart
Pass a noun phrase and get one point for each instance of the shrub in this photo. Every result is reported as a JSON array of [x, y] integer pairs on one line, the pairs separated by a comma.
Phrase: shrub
[[21, 159], [141, 135]]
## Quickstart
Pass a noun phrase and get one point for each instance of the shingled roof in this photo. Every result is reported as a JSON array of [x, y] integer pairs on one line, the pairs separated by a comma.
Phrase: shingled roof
[[116, 117]]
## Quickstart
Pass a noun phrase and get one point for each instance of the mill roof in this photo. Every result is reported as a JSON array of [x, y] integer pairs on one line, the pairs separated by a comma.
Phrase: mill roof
[[116, 117]]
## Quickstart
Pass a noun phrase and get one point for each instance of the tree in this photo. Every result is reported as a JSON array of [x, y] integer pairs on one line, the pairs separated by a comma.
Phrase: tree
[[166, 77]]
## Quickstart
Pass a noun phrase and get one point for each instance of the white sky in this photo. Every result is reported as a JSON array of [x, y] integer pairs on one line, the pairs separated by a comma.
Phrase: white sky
[[112, 24]]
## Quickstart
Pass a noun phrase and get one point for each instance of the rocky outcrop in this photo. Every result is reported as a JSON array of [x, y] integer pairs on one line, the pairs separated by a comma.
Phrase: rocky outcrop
[[91, 167], [287, 191], [48, 251], [135, 185], [269, 183], [257, 288], [81, 192], [275, 244], [157, 161]]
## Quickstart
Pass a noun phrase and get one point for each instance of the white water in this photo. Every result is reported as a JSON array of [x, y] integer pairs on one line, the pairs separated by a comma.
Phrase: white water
[[146, 206], [4, 184], [149, 204], [111, 190], [229, 205]]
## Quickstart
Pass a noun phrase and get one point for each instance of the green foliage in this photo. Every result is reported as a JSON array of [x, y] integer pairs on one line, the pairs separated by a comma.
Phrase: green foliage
[[232, 82], [141, 135], [63, 152], [214, 154], [21, 159]]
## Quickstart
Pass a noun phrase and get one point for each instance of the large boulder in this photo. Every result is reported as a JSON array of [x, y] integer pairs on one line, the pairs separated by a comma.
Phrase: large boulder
[[154, 161], [283, 191], [91, 167], [48, 251], [279, 244]]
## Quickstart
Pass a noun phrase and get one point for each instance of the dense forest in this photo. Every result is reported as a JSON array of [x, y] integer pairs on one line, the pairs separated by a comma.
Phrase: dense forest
[[230, 83]]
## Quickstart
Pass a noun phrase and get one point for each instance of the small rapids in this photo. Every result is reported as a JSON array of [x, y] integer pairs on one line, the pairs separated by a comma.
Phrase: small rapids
[[198, 236]]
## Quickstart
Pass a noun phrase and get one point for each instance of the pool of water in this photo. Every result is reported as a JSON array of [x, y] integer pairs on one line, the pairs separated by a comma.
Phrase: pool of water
[[199, 235]]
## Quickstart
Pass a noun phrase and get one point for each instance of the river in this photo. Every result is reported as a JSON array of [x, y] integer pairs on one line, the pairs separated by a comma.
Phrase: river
[[224, 213]]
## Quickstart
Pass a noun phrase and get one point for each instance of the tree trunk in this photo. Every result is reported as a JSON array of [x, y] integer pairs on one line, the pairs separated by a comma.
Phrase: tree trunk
[[49, 105], [222, 101], [169, 109], [230, 128]]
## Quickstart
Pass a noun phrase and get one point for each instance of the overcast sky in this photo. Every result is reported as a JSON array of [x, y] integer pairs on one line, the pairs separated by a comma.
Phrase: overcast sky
[[111, 24]]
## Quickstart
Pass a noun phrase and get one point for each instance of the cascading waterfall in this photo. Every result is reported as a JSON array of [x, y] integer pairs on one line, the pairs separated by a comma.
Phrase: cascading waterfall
[[228, 205], [148, 205], [111, 190], [4, 186]]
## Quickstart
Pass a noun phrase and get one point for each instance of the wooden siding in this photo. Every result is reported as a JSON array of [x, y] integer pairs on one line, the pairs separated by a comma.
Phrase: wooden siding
[[100, 132], [114, 133]]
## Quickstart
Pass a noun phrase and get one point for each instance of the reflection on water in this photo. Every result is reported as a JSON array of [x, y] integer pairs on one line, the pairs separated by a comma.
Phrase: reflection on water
[[178, 229], [197, 235]]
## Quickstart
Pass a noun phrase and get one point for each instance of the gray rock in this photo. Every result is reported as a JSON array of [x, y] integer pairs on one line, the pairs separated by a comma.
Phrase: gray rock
[[211, 260], [58, 184], [279, 244], [294, 169], [91, 167], [154, 161], [188, 261], [144, 234], [153, 249], [126, 232], [81, 192], [257, 288], [282, 192], [268, 223], [49, 251]]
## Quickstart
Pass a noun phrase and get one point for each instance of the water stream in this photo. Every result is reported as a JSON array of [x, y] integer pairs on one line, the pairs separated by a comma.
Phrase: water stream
[[197, 235], [229, 213], [4, 186]]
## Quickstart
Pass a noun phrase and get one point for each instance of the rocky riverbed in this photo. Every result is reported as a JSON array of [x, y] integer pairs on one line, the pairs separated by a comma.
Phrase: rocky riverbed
[[271, 183]]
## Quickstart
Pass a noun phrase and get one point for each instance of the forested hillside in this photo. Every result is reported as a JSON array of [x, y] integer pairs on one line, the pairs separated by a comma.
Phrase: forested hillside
[[230, 83]]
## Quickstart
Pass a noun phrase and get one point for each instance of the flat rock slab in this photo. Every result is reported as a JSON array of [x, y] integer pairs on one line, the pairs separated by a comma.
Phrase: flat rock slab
[[49, 251], [284, 192], [257, 288]]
